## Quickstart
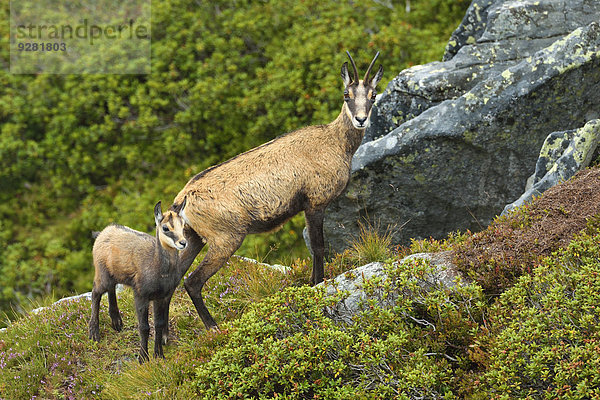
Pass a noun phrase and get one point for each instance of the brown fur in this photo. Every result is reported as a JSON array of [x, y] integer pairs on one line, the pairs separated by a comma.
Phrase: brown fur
[[150, 265], [259, 190]]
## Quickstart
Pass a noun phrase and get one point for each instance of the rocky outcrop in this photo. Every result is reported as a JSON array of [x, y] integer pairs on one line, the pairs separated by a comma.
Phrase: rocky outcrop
[[493, 36], [562, 156], [466, 132], [443, 274]]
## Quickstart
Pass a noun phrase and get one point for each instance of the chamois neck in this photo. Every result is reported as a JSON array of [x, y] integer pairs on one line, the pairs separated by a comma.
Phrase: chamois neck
[[349, 135], [165, 257]]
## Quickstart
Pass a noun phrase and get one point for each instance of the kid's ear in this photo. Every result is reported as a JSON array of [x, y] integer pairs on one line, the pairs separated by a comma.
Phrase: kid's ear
[[177, 208], [182, 206], [158, 215]]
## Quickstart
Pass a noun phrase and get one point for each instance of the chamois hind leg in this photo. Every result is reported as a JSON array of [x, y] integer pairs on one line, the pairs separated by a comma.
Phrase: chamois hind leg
[[314, 225], [160, 313], [113, 309], [218, 253], [141, 310], [94, 329]]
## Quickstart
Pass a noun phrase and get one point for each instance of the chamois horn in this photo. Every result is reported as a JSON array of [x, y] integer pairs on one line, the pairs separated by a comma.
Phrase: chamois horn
[[369, 69], [355, 79]]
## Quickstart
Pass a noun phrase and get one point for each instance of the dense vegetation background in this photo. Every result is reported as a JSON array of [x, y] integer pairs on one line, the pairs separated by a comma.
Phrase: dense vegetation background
[[80, 151]]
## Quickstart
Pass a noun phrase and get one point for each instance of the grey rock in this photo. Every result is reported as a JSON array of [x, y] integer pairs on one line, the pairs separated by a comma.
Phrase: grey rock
[[563, 154], [470, 29], [352, 282], [458, 163], [277, 267], [85, 296], [444, 275], [494, 35]]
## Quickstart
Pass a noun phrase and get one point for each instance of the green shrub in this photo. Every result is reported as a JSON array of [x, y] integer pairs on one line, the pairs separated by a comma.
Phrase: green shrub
[[289, 346], [544, 339]]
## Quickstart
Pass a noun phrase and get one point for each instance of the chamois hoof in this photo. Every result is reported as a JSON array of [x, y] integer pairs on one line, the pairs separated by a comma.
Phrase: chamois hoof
[[143, 357], [94, 333], [117, 323]]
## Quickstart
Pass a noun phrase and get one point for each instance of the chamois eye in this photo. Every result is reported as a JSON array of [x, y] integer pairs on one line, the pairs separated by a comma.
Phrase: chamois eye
[[165, 228], [373, 96]]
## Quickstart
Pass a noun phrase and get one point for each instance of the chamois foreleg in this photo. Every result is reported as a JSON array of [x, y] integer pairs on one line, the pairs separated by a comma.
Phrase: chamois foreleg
[[164, 317], [218, 253], [94, 329], [113, 309], [314, 225], [161, 307], [141, 310]]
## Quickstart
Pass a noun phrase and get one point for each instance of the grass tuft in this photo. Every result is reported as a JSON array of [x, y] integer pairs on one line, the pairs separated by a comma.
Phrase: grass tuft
[[371, 245]]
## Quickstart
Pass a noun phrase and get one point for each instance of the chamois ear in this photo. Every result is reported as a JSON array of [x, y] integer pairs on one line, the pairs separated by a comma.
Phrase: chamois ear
[[158, 215], [182, 206], [178, 208], [377, 77], [345, 75]]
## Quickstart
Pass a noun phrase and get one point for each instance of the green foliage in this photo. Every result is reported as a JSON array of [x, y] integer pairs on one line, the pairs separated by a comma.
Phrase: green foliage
[[80, 151], [284, 343], [545, 340], [288, 346], [432, 245]]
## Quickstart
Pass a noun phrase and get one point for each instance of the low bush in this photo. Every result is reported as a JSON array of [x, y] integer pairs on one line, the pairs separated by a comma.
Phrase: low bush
[[290, 346], [544, 338], [413, 338]]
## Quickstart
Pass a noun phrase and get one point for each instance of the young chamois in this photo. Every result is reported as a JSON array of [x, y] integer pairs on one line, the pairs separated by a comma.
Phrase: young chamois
[[150, 265], [259, 190]]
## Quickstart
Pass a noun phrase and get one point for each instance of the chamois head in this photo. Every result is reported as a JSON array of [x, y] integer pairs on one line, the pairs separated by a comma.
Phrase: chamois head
[[169, 226], [359, 95]]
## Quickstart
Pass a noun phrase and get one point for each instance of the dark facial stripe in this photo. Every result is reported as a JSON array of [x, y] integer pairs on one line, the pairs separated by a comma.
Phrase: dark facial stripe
[[170, 234]]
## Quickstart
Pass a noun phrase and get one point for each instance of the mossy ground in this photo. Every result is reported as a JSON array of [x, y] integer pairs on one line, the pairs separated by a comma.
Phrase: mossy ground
[[516, 243]]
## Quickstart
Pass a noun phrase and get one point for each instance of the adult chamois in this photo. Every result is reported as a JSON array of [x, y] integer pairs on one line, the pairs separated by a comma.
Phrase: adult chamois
[[259, 190]]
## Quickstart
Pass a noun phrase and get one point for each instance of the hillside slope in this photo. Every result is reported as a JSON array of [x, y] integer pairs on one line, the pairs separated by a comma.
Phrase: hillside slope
[[538, 339]]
